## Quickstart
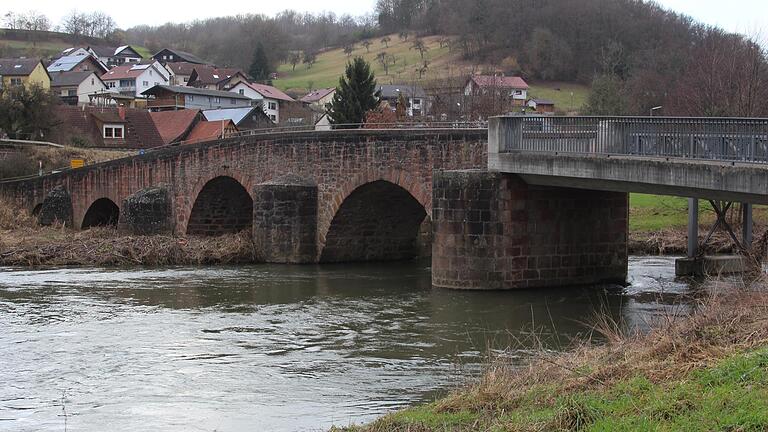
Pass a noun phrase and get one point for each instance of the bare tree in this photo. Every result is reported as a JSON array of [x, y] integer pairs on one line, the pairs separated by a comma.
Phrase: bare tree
[[403, 35], [310, 58], [294, 58], [419, 46], [386, 40], [423, 69], [348, 50], [367, 44]]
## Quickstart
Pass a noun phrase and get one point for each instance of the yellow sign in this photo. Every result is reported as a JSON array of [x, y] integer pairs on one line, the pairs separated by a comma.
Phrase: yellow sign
[[77, 163]]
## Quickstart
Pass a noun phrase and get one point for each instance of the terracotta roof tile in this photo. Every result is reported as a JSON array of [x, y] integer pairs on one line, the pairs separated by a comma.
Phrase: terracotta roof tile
[[174, 125], [208, 130], [500, 81]]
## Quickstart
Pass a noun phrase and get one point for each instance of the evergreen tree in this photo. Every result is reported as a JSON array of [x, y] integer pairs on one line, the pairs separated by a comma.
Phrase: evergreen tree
[[260, 68], [355, 95]]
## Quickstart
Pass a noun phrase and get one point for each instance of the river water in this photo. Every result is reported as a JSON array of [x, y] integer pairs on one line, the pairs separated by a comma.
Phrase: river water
[[271, 348]]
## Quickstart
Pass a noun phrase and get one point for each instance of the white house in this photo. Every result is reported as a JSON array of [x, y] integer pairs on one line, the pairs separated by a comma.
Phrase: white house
[[134, 79], [270, 96], [75, 87]]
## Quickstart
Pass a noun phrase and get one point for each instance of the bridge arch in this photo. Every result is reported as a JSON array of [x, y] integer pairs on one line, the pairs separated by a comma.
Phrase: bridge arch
[[377, 221], [222, 206], [102, 212]]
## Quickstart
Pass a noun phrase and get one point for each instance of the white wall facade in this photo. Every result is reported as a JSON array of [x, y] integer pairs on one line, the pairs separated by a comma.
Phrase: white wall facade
[[271, 106]]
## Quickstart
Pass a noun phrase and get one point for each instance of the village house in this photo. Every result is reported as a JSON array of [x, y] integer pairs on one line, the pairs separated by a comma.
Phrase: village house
[[77, 88], [246, 118], [23, 72], [268, 95], [167, 55], [180, 72], [116, 127], [175, 126], [414, 96], [109, 56], [318, 99], [213, 78], [165, 97], [81, 62], [211, 130], [513, 88], [134, 79]]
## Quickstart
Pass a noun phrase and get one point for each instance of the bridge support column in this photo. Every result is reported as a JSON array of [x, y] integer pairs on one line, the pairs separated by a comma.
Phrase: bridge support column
[[693, 227], [148, 211], [56, 208], [285, 220], [494, 231]]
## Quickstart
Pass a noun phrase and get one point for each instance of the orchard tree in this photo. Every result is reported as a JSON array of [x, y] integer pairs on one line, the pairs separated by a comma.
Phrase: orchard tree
[[386, 40], [367, 44], [355, 95], [27, 112]]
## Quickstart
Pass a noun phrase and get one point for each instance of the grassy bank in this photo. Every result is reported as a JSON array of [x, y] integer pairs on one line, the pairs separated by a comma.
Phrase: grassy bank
[[703, 372], [27, 161]]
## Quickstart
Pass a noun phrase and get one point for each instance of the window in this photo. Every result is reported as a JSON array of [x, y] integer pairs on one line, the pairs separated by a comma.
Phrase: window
[[165, 57], [232, 101], [417, 102], [191, 98], [113, 131], [146, 83], [272, 117], [273, 106], [186, 79], [71, 92], [217, 99], [242, 92], [111, 84], [93, 81], [16, 81]]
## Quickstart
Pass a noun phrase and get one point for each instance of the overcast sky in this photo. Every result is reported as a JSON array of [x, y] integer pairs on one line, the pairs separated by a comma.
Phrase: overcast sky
[[743, 16]]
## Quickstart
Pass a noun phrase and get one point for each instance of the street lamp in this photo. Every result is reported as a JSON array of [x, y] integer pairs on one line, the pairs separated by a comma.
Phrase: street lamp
[[655, 109]]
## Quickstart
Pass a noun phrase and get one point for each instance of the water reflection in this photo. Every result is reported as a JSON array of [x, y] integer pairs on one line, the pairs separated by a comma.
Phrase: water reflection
[[269, 347]]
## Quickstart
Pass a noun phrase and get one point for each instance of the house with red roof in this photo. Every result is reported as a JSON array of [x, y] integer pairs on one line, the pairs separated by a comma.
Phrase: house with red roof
[[214, 78], [211, 130], [513, 88], [180, 72], [268, 95], [116, 127], [319, 98], [175, 126], [133, 79]]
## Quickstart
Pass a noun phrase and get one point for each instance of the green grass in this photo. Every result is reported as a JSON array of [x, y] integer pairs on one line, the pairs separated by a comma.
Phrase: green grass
[[731, 396], [655, 212], [568, 97], [330, 64], [47, 48]]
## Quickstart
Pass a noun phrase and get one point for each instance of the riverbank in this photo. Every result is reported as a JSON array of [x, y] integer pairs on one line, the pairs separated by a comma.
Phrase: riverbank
[[706, 371]]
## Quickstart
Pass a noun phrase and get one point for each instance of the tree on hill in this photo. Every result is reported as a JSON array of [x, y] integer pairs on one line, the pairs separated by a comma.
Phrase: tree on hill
[[607, 97], [294, 58], [348, 50], [367, 44], [355, 95], [403, 35], [419, 46], [260, 68], [310, 58], [386, 40]]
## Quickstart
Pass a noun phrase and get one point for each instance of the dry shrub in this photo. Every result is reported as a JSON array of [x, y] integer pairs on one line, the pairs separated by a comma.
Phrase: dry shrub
[[14, 217], [732, 319]]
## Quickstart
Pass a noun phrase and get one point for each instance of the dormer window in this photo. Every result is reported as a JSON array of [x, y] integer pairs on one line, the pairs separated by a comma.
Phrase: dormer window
[[114, 131]]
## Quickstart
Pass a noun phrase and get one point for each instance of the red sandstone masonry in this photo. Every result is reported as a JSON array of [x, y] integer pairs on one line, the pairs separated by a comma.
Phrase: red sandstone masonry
[[493, 231], [337, 161]]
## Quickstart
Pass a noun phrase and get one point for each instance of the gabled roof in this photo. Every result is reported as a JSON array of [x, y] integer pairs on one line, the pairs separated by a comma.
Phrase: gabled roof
[[208, 130], [67, 63], [500, 81], [140, 130], [17, 66], [174, 125], [268, 91], [102, 50], [393, 91], [71, 78], [235, 114], [538, 101], [127, 71], [181, 68], [318, 94], [183, 55], [193, 91], [208, 75]]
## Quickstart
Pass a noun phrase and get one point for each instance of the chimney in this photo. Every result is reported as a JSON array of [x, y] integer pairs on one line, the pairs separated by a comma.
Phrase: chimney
[[121, 112]]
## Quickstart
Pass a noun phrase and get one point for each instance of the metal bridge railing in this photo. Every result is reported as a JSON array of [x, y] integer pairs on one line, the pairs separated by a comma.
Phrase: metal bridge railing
[[719, 139]]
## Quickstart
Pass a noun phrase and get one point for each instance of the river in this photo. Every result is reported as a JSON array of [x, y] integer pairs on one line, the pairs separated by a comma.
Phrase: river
[[271, 348]]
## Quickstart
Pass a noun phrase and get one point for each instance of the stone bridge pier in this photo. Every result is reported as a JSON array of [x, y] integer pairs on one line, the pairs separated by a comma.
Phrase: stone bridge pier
[[494, 231]]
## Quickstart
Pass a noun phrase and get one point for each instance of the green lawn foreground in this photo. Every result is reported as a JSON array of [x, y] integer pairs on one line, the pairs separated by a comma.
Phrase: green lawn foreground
[[732, 396]]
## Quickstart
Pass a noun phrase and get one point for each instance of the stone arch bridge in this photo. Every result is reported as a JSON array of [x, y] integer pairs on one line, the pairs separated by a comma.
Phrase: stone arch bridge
[[307, 196]]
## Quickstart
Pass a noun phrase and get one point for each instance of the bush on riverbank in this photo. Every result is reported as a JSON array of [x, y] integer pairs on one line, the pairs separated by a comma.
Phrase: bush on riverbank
[[24, 243], [706, 371]]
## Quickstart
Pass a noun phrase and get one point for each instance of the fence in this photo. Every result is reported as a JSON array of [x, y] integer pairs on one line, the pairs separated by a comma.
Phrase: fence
[[721, 139]]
